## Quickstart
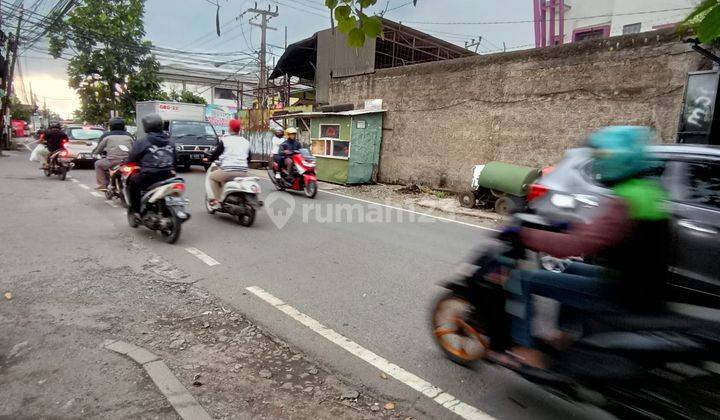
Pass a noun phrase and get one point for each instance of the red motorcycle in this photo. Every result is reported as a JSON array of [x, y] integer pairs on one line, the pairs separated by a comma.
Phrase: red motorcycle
[[302, 176]]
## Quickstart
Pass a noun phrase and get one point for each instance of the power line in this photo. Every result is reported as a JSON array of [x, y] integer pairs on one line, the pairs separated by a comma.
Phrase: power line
[[510, 22]]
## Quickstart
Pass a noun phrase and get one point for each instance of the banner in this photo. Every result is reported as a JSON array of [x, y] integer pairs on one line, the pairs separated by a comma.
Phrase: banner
[[219, 116]]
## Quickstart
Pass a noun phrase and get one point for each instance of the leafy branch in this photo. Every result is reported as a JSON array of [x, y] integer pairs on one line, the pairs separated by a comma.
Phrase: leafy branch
[[353, 21], [705, 21]]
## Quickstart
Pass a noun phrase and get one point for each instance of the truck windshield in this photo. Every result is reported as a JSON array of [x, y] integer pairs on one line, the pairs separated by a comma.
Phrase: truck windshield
[[191, 128]]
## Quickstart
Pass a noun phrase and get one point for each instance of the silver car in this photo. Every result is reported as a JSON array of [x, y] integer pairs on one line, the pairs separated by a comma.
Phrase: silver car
[[691, 175]]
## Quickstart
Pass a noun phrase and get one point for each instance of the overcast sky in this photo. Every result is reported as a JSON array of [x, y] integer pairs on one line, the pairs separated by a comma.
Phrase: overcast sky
[[190, 25]]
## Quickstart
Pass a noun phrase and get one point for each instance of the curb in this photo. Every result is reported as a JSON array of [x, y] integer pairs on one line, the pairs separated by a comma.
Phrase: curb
[[185, 405]]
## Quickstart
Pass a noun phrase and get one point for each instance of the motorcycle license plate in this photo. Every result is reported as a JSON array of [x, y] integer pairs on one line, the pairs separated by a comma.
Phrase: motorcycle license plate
[[196, 156]]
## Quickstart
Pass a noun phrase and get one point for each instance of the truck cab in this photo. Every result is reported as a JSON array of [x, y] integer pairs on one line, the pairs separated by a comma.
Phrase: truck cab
[[192, 139]]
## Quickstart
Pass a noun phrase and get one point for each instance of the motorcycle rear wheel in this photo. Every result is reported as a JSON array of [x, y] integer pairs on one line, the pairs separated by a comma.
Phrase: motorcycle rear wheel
[[248, 217], [450, 320], [171, 235], [47, 172], [62, 173]]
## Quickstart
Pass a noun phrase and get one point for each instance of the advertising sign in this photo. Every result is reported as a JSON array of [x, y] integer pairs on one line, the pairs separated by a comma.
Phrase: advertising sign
[[219, 116]]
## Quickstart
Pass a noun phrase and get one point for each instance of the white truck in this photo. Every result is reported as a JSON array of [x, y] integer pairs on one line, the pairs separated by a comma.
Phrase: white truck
[[186, 125]]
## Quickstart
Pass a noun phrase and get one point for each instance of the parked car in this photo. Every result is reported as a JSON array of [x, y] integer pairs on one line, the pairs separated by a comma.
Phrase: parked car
[[83, 140], [691, 175]]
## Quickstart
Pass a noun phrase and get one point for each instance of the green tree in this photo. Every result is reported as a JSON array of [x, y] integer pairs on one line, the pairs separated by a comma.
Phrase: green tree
[[112, 67], [184, 96], [705, 21], [354, 22], [18, 110]]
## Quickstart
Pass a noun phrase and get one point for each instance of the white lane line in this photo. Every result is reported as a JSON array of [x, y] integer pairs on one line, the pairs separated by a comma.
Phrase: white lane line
[[74, 180], [97, 194], [445, 219], [426, 388], [83, 186], [202, 256], [111, 204]]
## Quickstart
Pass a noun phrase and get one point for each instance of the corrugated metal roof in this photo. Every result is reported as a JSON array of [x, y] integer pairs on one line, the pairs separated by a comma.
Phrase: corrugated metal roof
[[329, 114]]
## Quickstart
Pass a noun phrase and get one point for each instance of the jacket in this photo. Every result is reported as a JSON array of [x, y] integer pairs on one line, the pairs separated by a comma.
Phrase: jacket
[[155, 153], [110, 143], [233, 153], [290, 146], [54, 138]]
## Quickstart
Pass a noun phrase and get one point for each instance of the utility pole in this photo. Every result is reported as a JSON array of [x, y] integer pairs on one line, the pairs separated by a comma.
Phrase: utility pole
[[265, 16], [472, 43], [12, 45]]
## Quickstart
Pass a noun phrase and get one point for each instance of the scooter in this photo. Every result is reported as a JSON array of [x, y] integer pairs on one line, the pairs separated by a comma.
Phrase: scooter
[[632, 365], [59, 163], [163, 207], [302, 178], [116, 184], [239, 197]]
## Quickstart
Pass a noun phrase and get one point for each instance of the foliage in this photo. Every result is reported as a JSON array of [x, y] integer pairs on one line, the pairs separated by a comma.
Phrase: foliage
[[354, 22], [18, 110], [184, 96], [705, 21], [112, 67]]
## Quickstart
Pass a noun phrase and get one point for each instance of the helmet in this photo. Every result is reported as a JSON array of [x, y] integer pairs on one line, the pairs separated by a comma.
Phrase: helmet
[[234, 125], [619, 152], [55, 124], [152, 123], [290, 130], [116, 123]]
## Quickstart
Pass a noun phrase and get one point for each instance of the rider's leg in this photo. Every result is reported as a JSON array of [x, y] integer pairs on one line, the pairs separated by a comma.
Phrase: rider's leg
[[101, 172]]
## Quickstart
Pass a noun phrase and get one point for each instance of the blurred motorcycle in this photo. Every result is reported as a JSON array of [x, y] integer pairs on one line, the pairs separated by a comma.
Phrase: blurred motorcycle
[[632, 365]]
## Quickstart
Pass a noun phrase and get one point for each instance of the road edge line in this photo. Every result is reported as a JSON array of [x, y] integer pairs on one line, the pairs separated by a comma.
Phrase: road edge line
[[439, 396], [184, 404], [445, 219]]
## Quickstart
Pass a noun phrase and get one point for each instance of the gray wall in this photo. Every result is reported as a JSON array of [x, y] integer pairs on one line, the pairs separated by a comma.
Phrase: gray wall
[[523, 107]]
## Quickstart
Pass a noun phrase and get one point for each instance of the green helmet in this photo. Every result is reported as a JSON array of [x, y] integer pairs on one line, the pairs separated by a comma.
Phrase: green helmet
[[619, 152]]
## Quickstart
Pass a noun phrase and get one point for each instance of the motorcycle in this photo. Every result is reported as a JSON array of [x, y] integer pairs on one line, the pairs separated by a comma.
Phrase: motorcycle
[[239, 197], [631, 365], [301, 178], [59, 163], [163, 207], [117, 176]]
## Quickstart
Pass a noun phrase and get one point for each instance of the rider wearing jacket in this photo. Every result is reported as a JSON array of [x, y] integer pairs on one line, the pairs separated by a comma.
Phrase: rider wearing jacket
[[53, 137], [627, 240], [156, 156], [233, 153], [290, 145], [112, 144]]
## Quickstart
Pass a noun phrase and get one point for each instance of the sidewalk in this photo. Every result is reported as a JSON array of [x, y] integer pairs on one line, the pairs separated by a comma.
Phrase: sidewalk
[[75, 283]]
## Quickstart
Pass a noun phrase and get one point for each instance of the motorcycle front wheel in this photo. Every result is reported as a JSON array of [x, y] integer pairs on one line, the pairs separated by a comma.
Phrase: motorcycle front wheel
[[172, 233], [453, 331], [311, 189]]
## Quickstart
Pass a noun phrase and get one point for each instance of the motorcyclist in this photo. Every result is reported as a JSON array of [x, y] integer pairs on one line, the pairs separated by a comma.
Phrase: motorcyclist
[[628, 240], [233, 152], [53, 138], [110, 143], [155, 153], [290, 145], [277, 140]]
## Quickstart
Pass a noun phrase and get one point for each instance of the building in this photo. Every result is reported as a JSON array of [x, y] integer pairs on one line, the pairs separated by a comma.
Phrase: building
[[218, 87], [325, 55], [561, 22]]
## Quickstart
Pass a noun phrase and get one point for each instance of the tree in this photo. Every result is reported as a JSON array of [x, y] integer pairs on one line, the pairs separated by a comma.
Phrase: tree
[[18, 110], [353, 21], [705, 21], [113, 66], [184, 96]]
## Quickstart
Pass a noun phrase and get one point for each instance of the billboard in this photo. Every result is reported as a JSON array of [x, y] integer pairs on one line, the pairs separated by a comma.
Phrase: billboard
[[219, 116]]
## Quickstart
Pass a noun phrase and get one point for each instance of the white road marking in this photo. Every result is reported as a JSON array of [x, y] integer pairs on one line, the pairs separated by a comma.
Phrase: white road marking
[[410, 211], [97, 194], [74, 180], [426, 388], [202, 256], [83, 186], [110, 203]]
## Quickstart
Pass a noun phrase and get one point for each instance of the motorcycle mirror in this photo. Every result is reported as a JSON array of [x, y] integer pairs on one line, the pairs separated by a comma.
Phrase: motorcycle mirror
[[124, 148]]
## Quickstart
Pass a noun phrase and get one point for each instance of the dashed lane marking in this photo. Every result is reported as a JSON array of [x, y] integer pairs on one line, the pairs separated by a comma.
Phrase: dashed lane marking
[[111, 203], [83, 186], [202, 256], [440, 397], [97, 194]]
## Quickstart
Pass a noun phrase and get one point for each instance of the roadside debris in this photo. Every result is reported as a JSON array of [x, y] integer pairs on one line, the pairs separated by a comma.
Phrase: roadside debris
[[349, 395], [8, 296], [389, 406]]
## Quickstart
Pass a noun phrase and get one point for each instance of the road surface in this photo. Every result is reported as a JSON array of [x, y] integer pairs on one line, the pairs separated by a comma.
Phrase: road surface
[[367, 272]]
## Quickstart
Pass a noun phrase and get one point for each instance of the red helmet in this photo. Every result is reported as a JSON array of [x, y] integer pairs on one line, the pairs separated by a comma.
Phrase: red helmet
[[234, 125]]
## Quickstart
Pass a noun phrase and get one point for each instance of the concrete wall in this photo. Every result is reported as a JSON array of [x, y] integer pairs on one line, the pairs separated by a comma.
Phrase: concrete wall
[[524, 107]]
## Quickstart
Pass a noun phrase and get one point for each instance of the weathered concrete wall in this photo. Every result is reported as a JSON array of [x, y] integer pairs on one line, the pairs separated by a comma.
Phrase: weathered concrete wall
[[522, 107]]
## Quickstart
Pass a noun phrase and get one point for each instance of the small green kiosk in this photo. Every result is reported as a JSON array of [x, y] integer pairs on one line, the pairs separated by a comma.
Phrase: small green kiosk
[[346, 144]]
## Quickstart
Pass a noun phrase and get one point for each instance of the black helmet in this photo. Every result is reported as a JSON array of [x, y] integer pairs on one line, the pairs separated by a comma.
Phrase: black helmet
[[55, 124], [152, 123], [116, 124]]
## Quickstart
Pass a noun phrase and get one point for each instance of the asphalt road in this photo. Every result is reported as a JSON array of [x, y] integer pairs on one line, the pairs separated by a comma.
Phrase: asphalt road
[[371, 280]]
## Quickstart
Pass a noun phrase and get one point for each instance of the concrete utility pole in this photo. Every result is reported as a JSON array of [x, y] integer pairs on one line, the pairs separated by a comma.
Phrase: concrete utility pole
[[5, 110], [265, 16], [472, 43]]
